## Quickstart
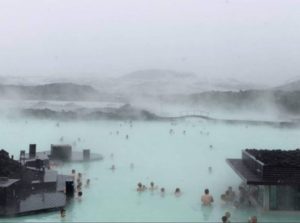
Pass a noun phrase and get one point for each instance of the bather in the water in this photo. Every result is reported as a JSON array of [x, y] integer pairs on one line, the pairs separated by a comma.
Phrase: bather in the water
[[253, 219], [131, 165], [152, 186], [113, 167], [207, 199], [79, 195], [87, 183], [79, 188], [62, 212], [111, 155], [140, 187], [144, 187], [162, 192], [224, 219], [177, 192], [228, 215], [230, 194], [210, 169]]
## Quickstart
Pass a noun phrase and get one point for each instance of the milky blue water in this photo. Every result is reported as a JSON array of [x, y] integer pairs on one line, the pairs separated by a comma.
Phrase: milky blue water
[[170, 161]]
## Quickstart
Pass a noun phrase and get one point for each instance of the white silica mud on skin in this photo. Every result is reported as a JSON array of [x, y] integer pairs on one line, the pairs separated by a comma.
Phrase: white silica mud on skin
[[169, 160]]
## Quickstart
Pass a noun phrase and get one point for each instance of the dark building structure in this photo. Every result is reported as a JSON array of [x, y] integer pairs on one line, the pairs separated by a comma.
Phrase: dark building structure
[[29, 186], [59, 153], [8, 189], [272, 177]]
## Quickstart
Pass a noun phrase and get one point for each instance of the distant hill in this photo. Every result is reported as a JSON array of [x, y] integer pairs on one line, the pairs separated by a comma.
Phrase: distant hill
[[291, 86], [142, 83], [156, 82], [54, 91], [156, 74], [125, 112], [258, 100]]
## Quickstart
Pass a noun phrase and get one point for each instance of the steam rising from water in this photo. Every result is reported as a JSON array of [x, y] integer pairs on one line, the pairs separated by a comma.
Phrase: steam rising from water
[[176, 160]]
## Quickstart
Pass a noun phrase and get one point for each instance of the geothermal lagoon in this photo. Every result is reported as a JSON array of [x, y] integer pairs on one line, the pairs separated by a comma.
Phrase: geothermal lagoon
[[150, 153]]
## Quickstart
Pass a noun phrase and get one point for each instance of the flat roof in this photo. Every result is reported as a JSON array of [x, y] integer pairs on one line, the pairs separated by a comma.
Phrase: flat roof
[[277, 158], [61, 145], [252, 179], [8, 182]]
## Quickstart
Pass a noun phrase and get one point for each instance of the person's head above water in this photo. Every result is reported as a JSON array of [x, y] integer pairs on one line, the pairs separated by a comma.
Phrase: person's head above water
[[162, 190], [152, 184], [62, 212], [223, 197], [253, 219], [177, 190], [227, 214], [224, 219], [140, 184], [206, 191]]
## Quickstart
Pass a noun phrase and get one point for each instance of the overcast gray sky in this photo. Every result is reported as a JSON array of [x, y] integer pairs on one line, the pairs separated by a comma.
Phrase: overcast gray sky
[[246, 39]]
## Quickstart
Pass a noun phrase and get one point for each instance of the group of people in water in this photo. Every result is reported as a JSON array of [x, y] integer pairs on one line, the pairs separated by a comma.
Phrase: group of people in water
[[61, 140], [117, 132], [142, 188], [228, 196], [78, 179], [78, 182], [226, 218], [238, 200], [207, 199], [172, 132]]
